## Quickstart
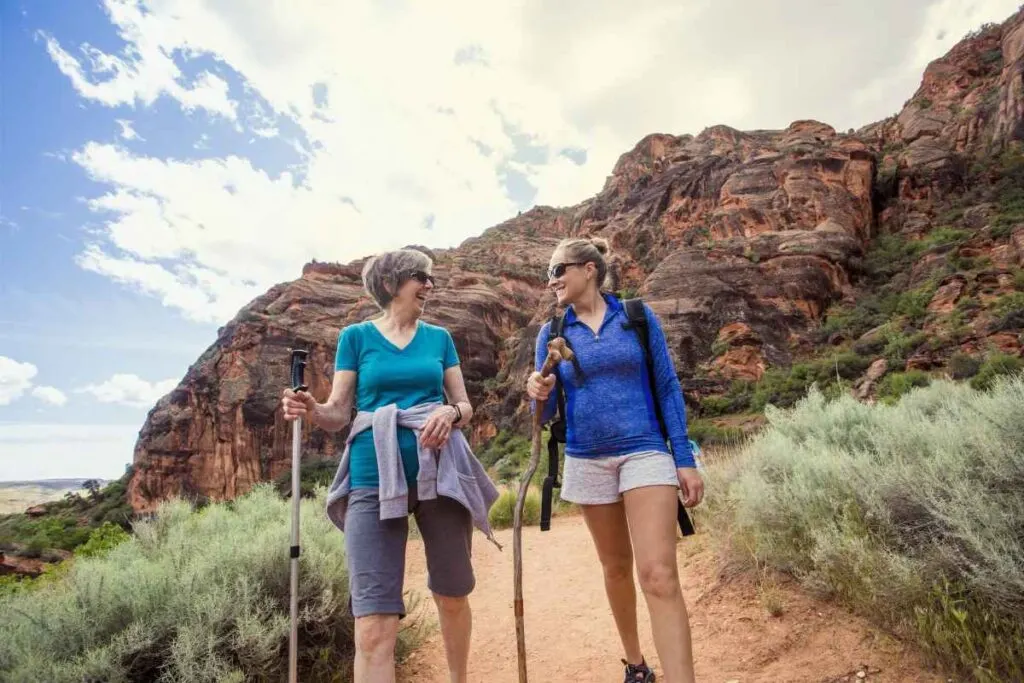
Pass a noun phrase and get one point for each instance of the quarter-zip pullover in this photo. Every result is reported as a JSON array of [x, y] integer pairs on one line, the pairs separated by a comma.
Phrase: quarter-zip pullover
[[609, 409]]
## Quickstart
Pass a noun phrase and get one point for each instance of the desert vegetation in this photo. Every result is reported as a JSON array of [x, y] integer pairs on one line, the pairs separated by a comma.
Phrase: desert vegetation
[[67, 523], [909, 513], [192, 595]]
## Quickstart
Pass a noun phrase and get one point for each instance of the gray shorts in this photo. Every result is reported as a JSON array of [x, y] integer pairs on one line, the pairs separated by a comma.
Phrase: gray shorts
[[602, 480], [375, 550]]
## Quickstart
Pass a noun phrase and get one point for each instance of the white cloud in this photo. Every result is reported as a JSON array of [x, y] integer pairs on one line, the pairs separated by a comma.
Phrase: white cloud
[[51, 395], [128, 132], [9, 224], [53, 451], [946, 22], [15, 379], [413, 110], [129, 390], [146, 71]]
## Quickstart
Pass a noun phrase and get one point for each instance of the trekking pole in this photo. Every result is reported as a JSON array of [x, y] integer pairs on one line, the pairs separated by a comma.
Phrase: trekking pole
[[298, 370], [557, 351]]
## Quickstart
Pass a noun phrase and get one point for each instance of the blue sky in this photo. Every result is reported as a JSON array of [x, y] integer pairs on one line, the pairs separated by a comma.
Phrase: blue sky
[[165, 162]]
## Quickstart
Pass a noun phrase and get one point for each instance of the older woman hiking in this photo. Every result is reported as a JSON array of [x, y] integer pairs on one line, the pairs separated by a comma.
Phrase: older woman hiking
[[618, 466], [404, 453]]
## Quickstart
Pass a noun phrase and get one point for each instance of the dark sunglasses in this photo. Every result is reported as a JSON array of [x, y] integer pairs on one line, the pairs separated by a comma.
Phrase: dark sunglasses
[[419, 276], [558, 270]]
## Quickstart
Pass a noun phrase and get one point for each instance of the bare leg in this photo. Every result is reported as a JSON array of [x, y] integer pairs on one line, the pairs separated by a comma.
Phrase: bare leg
[[456, 619], [375, 638], [651, 512], [607, 524]]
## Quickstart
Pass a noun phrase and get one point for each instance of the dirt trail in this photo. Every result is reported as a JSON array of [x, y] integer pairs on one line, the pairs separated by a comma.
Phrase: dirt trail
[[570, 634]]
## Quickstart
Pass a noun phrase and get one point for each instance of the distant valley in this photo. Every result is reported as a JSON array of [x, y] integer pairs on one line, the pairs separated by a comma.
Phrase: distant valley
[[17, 496]]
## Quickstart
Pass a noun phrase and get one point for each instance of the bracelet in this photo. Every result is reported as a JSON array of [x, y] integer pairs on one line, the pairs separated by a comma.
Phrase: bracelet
[[458, 414]]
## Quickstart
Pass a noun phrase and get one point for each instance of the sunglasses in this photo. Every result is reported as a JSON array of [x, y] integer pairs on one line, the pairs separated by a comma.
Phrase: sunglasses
[[558, 270], [418, 275]]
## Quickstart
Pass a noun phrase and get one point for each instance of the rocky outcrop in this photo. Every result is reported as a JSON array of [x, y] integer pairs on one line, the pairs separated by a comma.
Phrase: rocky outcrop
[[220, 431], [17, 565], [740, 240], [1009, 123]]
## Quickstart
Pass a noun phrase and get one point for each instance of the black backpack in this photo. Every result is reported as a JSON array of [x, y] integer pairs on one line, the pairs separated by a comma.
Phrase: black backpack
[[638, 322]]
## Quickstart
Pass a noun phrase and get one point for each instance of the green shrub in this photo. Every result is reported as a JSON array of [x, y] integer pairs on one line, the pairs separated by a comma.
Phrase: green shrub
[[1008, 304], [713, 406], [67, 523], [963, 366], [896, 384], [784, 387], [890, 254], [909, 514], [899, 346], [193, 596], [996, 365], [993, 56], [627, 293], [914, 303], [502, 513], [707, 433], [1009, 311], [61, 531], [102, 540], [1009, 194], [312, 475], [876, 309], [505, 444], [1018, 279]]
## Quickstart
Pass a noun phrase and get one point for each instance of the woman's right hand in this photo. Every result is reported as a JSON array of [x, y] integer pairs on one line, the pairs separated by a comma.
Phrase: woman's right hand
[[539, 388], [297, 404]]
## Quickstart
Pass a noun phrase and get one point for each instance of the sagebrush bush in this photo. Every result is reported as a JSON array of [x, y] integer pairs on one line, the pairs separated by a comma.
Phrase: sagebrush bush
[[502, 513], [193, 596], [913, 514]]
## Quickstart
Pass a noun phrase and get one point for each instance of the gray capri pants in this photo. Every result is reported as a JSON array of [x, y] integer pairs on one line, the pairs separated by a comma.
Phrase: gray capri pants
[[375, 549]]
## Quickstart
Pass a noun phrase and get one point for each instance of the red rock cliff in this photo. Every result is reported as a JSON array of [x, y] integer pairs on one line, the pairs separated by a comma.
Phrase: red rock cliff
[[740, 240]]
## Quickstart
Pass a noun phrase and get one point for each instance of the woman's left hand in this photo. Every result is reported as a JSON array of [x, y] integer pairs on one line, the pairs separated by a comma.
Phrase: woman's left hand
[[438, 427], [691, 484]]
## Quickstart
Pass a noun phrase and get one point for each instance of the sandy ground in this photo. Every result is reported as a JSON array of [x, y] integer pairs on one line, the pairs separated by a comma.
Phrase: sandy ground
[[570, 634]]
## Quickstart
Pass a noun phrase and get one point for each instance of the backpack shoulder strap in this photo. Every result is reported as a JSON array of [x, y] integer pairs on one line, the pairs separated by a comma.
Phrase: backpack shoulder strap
[[557, 324], [558, 424], [638, 321], [556, 436], [637, 318]]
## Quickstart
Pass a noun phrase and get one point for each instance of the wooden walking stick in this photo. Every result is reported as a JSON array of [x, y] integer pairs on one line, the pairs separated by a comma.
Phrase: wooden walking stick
[[557, 352]]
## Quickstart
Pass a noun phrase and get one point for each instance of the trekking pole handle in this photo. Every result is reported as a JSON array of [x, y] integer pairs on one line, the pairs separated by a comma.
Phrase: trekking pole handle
[[299, 369]]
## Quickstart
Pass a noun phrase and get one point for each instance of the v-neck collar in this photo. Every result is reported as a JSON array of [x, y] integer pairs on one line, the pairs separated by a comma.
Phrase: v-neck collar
[[394, 347], [613, 307]]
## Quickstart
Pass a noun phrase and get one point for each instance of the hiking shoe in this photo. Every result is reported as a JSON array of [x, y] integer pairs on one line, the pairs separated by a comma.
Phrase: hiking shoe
[[638, 673]]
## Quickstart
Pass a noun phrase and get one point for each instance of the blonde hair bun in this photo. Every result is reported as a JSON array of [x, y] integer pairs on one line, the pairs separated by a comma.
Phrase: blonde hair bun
[[601, 244]]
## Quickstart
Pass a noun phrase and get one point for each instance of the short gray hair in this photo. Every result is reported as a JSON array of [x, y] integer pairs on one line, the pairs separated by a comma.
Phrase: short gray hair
[[385, 269]]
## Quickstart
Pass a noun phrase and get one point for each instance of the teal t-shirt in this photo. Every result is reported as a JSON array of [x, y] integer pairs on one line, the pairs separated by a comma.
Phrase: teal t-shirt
[[387, 374]]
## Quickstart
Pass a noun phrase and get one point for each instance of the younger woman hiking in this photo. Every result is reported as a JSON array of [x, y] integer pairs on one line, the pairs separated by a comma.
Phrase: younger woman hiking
[[618, 467]]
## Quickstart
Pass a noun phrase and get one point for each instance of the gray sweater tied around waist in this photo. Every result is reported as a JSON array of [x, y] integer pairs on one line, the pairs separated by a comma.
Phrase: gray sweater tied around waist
[[451, 471]]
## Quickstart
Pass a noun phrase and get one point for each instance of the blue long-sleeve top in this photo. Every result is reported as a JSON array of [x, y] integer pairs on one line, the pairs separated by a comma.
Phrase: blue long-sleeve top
[[610, 409]]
